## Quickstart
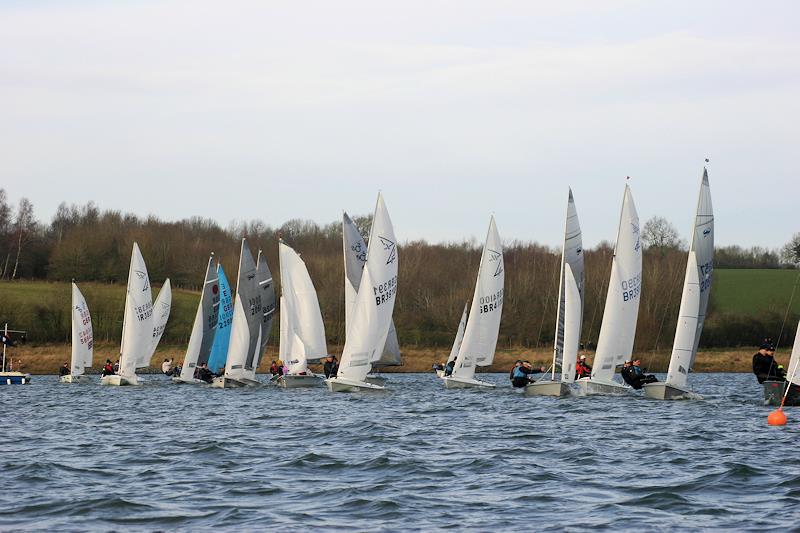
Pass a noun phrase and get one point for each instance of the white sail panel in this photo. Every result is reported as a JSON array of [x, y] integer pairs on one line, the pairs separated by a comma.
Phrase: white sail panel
[[247, 316], [137, 325], [82, 338], [571, 255], [161, 309], [305, 331], [617, 331], [793, 372], [573, 315], [683, 346], [703, 247], [372, 314], [483, 324], [205, 323], [459, 335]]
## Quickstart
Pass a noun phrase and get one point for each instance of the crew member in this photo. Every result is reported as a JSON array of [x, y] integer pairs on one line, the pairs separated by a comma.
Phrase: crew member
[[764, 366], [108, 368], [449, 367], [626, 371], [64, 370], [521, 375], [582, 369], [331, 367], [638, 377]]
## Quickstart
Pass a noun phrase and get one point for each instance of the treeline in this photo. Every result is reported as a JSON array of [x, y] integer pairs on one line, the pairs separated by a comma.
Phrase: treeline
[[87, 244]]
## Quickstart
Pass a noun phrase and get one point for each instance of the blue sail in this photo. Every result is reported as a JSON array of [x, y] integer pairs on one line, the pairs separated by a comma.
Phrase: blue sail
[[222, 337]]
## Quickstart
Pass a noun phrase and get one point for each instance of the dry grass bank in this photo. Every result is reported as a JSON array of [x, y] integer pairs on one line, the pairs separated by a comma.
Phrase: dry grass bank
[[45, 359]]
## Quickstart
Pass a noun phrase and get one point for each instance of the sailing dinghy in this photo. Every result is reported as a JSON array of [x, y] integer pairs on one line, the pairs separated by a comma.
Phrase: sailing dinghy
[[618, 328], [205, 324], [302, 332], [245, 339], [774, 391], [569, 315], [82, 340], [483, 324], [694, 302], [372, 309], [355, 256], [457, 341], [137, 324]]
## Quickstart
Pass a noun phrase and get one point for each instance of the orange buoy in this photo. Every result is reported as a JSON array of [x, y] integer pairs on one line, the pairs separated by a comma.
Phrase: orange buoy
[[777, 418]]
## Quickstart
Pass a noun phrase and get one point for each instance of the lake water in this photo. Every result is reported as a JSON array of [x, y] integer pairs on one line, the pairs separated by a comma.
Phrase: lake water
[[415, 458]]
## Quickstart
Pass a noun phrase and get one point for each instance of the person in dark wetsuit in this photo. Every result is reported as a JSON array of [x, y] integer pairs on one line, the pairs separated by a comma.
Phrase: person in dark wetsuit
[[625, 372], [204, 374], [764, 366], [638, 377], [523, 374], [331, 367], [64, 370], [448, 368]]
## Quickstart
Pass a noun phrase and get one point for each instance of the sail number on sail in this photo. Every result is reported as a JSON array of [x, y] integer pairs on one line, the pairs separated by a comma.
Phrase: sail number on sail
[[705, 273], [491, 303], [255, 305], [144, 311], [385, 291], [632, 288]]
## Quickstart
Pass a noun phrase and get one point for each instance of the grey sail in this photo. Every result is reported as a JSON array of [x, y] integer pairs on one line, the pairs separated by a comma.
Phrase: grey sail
[[355, 255], [703, 247], [266, 290], [249, 301], [572, 255]]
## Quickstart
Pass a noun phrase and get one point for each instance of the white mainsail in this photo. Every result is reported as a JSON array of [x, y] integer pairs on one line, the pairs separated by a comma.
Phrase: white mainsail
[[137, 325], [696, 289], [302, 335], [82, 339], [355, 255], [794, 361], [205, 324], [161, 309], [615, 343], [459, 335], [572, 257], [573, 315], [376, 295], [247, 316], [483, 324]]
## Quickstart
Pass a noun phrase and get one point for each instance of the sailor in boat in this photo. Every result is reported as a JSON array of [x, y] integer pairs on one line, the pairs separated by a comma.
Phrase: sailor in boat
[[521, 375], [331, 367], [168, 369], [625, 372], [638, 377], [273, 369], [203, 373], [108, 368], [582, 368], [764, 366], [64, 370], [115, 368], [438, 366], [448, 368]]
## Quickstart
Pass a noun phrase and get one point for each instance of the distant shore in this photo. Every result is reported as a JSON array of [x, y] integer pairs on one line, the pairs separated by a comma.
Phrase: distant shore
[[47, 358]]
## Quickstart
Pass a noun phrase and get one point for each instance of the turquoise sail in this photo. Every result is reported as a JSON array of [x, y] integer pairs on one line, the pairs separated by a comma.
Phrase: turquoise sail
[[219, 350]]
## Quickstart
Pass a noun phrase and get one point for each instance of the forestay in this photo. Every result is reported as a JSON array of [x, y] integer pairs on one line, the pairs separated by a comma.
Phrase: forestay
[[82, 338], [572, 256], [302, 335], [376, 295], [222, 335], [459, 335], [137, 324], [247, 315], [205, 323], [161, 309], [615, 343], [573, 315], [483, 324], [355, 255]]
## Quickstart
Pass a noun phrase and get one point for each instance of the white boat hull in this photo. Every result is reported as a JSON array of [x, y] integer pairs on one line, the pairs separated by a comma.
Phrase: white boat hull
[[191, 381], [440, 373], [223, 382], [116, 380], [548, 388], [454, 382], [376, 380], [347, 385], [69, 378], [663, 391], [298, 381], [591, 386]]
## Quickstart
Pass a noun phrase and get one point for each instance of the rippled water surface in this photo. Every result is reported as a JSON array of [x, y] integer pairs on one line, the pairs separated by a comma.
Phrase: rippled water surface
[[417, 457]]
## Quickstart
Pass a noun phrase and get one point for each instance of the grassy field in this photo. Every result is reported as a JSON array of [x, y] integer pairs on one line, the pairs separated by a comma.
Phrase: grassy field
[[754, 291]]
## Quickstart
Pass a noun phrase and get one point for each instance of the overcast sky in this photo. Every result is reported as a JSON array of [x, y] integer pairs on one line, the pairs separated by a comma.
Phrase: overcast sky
[[454, 109]]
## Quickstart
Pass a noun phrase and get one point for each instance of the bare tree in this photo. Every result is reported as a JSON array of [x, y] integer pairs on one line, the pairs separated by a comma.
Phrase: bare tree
[[24, 227], [5, 231], [658, 232], [790, 253]]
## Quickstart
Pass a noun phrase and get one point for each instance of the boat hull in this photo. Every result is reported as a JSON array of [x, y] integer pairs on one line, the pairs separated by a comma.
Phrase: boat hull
[[69, 378], [440, 373], [664, 391], [376, 380], [14, 378], [116, 380], [223, 382], [590, 386], [190, 381], [548, 388], [773, 393], [455, 382], [298, 381], [347, 385]]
